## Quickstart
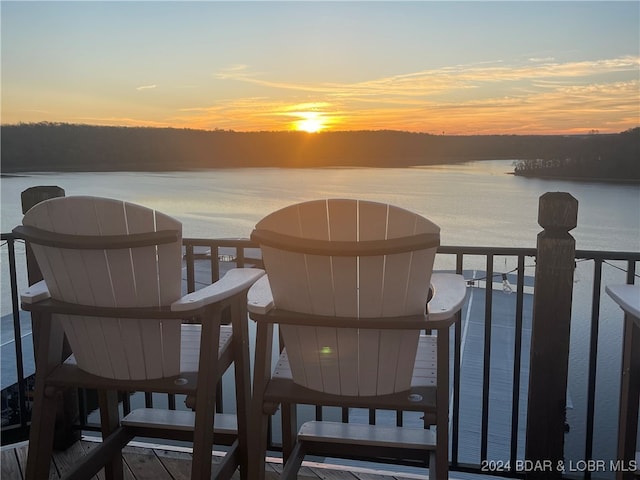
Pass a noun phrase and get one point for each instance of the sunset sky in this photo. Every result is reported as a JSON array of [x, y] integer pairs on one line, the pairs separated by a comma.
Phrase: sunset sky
[[475, 67]]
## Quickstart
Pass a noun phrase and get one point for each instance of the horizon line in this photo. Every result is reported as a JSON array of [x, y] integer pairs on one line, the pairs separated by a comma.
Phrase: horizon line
[[592, 131]]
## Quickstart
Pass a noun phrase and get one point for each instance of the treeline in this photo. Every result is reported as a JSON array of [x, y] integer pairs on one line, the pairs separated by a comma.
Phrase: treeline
[[68, 147], [615, 157]]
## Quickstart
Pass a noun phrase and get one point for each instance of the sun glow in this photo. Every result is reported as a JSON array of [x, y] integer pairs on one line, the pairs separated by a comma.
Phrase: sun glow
[[311, 122]]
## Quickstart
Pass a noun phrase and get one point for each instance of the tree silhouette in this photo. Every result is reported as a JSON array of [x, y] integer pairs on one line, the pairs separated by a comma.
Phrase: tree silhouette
[[68, 147]]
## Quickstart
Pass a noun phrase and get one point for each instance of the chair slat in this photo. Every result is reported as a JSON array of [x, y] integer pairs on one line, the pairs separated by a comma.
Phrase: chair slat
[[310, 352], [314, 224], [122, 285], [368, 346], [313, 221], [294, 353], [320, 285], [348, 346], [113, 338], [330, 359], [51, 261], [144, 260], [389, 352], [292, 292], [408, 346], [133, 344], [151, 334], [82, 350], [343, 226], [169, 261], [373, 226], [419, 280]]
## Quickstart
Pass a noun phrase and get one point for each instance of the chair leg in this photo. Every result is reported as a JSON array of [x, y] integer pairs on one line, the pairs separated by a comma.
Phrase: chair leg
[[442, 406], [289, 413], [43, 419], [109, 423], [433, 471], [240, 341], [48, 352], [98, 457], [206, 396], [229, 464], [260, 420], [258, 446], [292, 465]]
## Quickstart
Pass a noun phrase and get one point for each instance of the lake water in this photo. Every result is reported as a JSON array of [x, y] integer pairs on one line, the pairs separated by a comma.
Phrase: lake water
[[475, 204]]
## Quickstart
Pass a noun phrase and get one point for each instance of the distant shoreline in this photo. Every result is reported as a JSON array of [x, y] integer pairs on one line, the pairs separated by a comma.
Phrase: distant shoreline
[[625, 181], [629, 181]]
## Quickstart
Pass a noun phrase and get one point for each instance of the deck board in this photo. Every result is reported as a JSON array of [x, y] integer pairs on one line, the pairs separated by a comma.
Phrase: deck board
[[88, 446], [145, 463], [65, 460], [9, 467], [176, 463]]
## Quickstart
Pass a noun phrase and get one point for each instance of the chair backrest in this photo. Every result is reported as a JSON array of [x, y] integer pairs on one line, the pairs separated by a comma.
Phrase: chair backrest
[[148, 276], [349, 258]]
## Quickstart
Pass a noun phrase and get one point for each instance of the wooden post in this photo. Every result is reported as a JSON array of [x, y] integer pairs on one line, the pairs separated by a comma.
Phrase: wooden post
[[555, 264], [68, 409], [31, 197]]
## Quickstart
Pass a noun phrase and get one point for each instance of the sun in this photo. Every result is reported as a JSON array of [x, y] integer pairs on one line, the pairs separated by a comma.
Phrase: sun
[[311, 122]]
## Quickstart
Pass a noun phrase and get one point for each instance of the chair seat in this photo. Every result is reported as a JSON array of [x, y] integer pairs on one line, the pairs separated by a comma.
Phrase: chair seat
[[183, 420], [420, 397], [190, 347]]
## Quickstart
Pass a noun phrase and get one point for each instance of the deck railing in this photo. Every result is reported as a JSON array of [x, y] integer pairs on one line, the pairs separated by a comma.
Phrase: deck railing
[[489, 383]]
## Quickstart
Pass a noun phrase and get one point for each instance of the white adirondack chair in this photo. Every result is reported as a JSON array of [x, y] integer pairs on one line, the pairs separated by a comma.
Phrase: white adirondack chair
[[348, 282], [112, 286]]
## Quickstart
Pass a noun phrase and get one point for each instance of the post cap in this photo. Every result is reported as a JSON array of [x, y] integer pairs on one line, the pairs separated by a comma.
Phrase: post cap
[[558, 211], [34, 195]]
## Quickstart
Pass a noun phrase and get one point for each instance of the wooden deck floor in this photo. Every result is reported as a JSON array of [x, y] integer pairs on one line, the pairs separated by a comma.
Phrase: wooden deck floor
[[159, 463]]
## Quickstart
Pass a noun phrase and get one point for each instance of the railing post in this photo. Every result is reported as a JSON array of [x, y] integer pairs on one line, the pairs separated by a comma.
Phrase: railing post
[[31, 197], [555, 264], [68, 410]]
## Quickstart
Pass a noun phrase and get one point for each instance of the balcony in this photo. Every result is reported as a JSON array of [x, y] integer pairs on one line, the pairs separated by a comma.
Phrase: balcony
[[490, 385]]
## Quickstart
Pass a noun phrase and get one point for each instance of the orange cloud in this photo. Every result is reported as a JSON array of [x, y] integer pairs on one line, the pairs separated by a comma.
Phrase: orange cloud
[[538, 96]]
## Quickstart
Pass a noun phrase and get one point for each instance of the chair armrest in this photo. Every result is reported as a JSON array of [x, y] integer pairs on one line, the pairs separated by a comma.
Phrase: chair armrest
[[233, 282], [260, 298], [36, 293], [627, 297], [449, 293]]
